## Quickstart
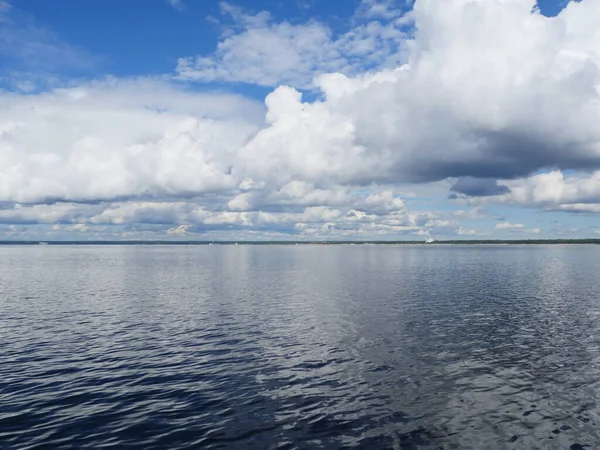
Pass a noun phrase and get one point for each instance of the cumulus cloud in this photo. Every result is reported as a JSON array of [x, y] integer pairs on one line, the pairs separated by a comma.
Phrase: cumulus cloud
[[491, 90], [484, 93], [118, 152], [115, 139], [553, 190]]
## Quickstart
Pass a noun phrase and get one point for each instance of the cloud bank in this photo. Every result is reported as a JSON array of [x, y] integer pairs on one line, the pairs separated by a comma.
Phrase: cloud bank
[[488, 93]]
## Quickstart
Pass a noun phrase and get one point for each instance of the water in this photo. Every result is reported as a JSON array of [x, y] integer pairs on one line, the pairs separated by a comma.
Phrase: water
[[251, 347]]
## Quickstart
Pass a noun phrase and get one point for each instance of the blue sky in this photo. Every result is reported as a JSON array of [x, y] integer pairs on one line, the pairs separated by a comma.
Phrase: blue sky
[[147, 37], [307, 119], [135, 38]]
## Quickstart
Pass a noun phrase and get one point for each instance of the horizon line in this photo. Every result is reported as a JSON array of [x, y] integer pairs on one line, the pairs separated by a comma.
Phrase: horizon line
[[293, 242]]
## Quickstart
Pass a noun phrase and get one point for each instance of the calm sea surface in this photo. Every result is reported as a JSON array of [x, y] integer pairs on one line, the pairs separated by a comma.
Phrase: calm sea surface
[[282, 347]]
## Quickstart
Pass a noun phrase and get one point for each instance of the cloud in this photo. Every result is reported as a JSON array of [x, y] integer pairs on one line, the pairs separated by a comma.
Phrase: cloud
[[176, 4], [487, 68], [380, 9], [475, 187], [580, 208], [79, 228], [388, 219], [516, 228], [553, 188], [466, 231], [180, 230], [13, 232], [40, 214], [576, 192], [118, 139], [145, 156], [509, 226], [260, 51], [498, 99]]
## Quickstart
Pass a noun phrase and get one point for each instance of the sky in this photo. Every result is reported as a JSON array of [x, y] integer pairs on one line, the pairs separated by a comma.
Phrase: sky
[[299, 119]]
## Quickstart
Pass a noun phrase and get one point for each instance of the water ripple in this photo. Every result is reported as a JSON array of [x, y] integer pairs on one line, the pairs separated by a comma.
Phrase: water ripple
[[300, 347]]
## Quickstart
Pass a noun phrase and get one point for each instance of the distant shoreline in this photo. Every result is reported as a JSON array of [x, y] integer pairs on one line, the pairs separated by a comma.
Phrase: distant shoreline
[[440, 242]]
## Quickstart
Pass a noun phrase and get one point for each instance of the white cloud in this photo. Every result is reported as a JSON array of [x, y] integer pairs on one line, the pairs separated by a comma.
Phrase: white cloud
[[577, 192], [509, 226], [553, 188], [268, 53], [178, 218], [176, 4], [320, 214], [477, 118], [180, 230], [79, 228], [487, 89], [516, 228], [466, 231], [380, 9], [383, 201], [34, 214], [307, 194], [118, 139]]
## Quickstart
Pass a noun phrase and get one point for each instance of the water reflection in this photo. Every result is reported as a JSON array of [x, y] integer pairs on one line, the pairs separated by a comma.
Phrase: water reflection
[[300, 347]]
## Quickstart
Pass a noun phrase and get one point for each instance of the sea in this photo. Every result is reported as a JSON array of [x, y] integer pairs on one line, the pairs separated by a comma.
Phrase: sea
[[300, 347]]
